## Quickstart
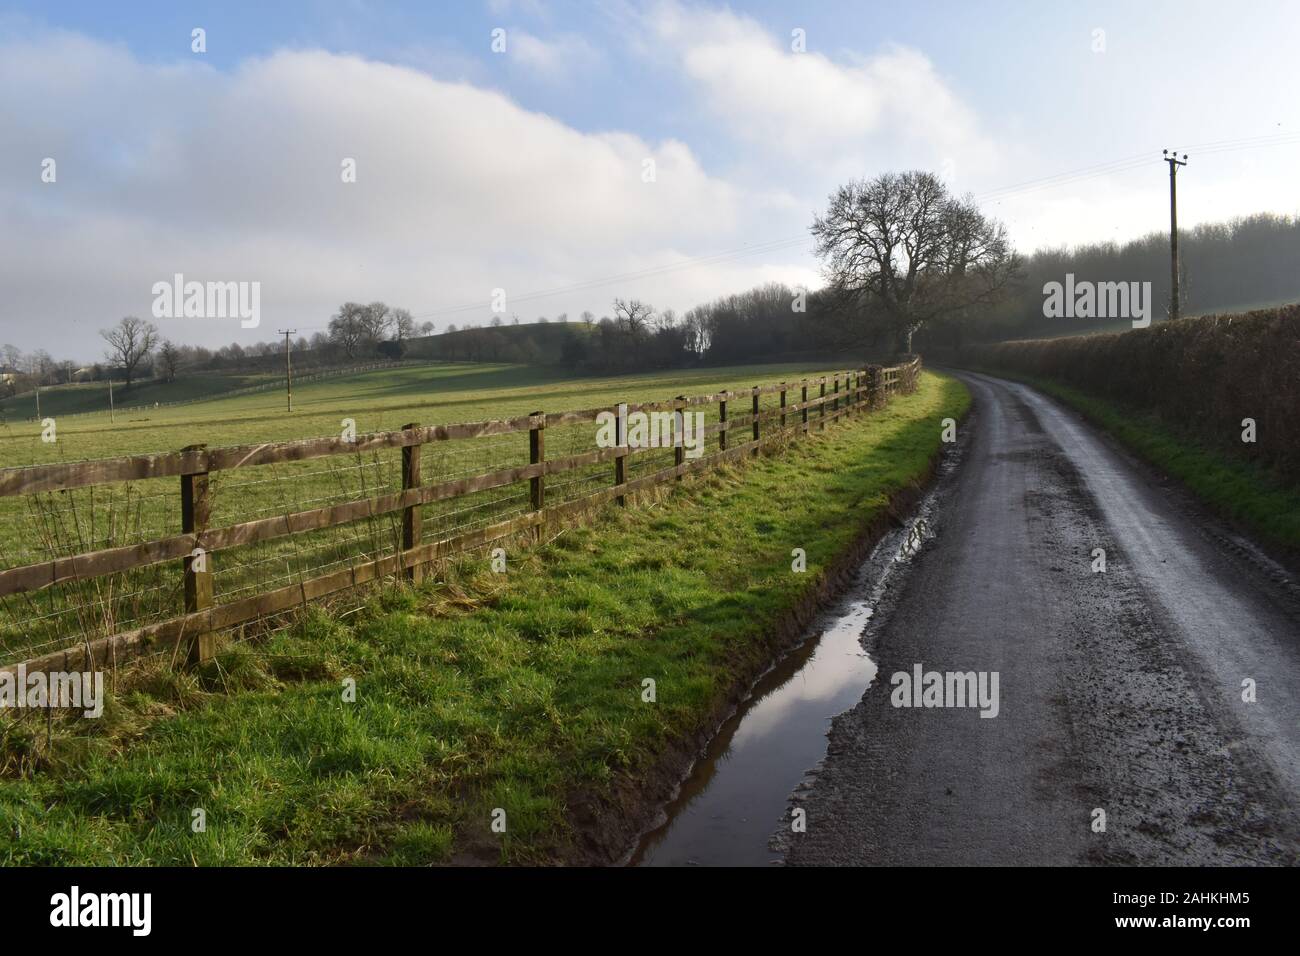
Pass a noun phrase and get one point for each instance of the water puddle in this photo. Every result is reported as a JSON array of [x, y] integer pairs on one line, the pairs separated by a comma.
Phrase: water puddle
[[737, 793]]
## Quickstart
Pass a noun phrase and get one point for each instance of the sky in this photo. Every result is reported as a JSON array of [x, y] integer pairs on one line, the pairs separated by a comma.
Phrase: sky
[[566, 153]]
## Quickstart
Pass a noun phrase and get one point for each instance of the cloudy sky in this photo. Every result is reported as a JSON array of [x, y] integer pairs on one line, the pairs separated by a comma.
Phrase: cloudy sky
[[526, 169]]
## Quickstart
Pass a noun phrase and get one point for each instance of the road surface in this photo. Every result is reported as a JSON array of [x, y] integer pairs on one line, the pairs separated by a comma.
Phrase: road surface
[[1119, 692]]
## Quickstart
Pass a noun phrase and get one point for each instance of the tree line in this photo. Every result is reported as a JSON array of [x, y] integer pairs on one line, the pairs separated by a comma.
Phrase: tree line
[[907, 265]]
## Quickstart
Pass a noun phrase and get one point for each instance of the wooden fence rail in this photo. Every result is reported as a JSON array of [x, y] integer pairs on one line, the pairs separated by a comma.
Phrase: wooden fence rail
[[195, 545]]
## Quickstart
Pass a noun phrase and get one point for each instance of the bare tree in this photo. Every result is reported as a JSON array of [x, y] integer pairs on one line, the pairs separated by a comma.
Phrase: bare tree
[[376, 319], [632, 316], [347, 329], [169, 356], [129, 343], [901, 246]]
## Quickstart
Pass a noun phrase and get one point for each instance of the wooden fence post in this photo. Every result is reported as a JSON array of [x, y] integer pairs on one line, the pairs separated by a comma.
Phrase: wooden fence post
[[783, 390], [722, 421], [755, 417], [836, 406], [875, 387], [679, 424], [196, 513], [821, 409], [803, 400], [537, 455], [620, 462], [411, 513]]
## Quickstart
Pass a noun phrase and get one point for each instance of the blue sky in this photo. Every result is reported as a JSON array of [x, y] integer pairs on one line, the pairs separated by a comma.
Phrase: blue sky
[[522, 169]]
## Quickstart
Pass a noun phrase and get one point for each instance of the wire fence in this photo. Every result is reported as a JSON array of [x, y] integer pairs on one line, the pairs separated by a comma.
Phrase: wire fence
[[104, 559]]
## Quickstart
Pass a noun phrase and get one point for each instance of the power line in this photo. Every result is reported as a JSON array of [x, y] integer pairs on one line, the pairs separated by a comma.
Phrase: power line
[[1056, 180]]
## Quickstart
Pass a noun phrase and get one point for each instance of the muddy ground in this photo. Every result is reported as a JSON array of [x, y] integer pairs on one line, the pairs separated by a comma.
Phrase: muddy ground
[[1119, 691]]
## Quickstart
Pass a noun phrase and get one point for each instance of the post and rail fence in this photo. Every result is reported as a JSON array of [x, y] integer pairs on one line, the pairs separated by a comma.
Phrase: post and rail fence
[[85, 640]]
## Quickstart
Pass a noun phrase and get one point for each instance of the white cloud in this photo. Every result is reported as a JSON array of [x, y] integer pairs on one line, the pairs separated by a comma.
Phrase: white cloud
[[889, 108], [236, 176], [558, 58]]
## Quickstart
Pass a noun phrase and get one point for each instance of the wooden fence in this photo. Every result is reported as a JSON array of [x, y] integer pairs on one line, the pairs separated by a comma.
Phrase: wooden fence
[[194, 631]]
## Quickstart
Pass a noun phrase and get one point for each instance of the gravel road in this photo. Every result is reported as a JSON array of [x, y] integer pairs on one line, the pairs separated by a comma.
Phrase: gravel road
[[1119, 691]]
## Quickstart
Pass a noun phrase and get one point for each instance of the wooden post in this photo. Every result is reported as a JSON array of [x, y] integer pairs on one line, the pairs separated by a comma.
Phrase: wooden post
[[196, 512], [620, 463], [411, 513], [722, 421], [679, 423], [756, 417], [836, 405], [783, 406], [821, 409], [537, 455], [803, 400], [875, 387]]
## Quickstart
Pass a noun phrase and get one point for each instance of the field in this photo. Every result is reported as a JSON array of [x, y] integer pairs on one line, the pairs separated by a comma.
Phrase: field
[[476, 691], [40, 527], [92, 397], [378, 401]]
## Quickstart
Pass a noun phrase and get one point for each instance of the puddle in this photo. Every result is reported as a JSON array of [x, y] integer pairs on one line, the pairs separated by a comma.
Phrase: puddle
[[737, 793]]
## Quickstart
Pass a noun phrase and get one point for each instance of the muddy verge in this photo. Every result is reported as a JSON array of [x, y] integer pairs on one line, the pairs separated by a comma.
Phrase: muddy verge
[[609, 825]]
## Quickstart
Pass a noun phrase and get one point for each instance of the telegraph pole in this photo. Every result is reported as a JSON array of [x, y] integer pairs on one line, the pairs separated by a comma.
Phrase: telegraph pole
[[288, 365], [1171, 157]]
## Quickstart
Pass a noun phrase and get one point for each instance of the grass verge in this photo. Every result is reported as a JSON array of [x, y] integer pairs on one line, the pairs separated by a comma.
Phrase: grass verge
[[1237, 490], [475, 692]]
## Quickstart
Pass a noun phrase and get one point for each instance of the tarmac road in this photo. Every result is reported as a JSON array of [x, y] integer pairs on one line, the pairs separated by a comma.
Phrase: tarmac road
[[1119, 691]]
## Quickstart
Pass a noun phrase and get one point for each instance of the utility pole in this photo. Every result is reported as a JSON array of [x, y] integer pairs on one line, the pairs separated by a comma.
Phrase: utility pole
[[1171, 157], [288, 365]]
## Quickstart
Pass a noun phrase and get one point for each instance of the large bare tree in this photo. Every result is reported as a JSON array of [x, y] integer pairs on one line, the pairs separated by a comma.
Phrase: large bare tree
[[905, 251], [348, 328], [632, 315], [129, 343]]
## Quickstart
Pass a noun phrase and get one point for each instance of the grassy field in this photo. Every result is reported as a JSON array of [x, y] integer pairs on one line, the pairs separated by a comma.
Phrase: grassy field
[[378, 401], [38, 528], [476, 691], [92, 397]]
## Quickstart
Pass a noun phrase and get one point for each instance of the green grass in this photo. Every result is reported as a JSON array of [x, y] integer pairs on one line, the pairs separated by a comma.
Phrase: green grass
[[1237, 490], [379, 400], [92, 397], [474, 692], [38, 528]]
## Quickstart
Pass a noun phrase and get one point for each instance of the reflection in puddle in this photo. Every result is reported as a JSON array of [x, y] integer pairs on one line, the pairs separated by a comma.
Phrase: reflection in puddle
[[737, 794]]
